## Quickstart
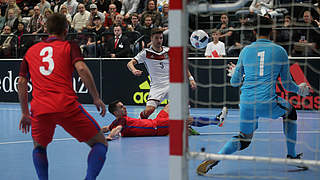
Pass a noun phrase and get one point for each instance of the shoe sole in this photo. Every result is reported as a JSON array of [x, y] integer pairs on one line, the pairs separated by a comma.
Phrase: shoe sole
[[202, 168]]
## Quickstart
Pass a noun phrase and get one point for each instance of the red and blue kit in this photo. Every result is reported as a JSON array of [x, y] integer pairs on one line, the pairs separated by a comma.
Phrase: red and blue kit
[[143, 127], [50, 65]]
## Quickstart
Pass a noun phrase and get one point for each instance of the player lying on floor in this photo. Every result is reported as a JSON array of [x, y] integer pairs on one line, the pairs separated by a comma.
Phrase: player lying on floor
[[127, 126]]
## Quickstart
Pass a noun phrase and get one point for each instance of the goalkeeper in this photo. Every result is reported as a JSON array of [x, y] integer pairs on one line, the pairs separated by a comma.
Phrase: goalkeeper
[[262, 63], [127, 126]]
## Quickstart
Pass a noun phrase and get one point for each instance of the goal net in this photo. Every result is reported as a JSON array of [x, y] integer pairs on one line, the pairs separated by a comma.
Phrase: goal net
[[295, 29]]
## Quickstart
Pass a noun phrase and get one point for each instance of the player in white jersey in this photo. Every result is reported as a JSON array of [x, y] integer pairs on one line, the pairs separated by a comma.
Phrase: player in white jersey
[[156, 61]]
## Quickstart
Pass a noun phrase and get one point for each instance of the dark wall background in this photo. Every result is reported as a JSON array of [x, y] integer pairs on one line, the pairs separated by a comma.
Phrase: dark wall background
[[115, 81]]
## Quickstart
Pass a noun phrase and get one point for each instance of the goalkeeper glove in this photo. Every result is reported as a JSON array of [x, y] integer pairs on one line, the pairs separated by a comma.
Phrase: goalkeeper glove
[[303, 90], [231, 68]]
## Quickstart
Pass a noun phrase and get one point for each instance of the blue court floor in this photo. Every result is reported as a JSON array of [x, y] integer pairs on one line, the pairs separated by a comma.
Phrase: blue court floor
[[146, 158]]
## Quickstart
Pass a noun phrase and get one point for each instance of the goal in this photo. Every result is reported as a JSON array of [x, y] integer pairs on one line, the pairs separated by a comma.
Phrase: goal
[[217, 92]]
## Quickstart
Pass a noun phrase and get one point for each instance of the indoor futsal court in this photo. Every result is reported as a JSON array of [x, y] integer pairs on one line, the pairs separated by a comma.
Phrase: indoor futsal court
[[146, 158]]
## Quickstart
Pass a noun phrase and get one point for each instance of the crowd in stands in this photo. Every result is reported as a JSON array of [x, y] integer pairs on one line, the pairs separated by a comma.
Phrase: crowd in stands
[[299, 35], [120, 28], [103, 28]]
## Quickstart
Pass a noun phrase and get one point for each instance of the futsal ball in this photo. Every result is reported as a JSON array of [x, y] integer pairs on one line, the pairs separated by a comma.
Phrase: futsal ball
[[199, 39]]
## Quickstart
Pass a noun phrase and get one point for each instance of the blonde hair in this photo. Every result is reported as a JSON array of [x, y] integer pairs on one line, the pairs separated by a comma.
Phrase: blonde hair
[[47, 10]]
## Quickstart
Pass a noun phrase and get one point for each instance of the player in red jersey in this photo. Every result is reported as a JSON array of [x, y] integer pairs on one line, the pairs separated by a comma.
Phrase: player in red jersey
[[159, 126], [50, 65]]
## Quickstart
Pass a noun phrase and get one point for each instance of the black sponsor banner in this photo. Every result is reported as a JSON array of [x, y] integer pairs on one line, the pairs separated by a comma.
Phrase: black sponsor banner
[[120, 83], [79, 87], [115, 81], [9, 75], [214, 88], [308, 71]]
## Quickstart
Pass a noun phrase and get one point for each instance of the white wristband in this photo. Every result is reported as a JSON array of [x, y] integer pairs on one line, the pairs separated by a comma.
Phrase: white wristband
[[191, 78]]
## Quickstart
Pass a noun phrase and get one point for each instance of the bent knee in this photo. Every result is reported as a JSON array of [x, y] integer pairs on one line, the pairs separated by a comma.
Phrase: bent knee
[[291, 115], [244, 139]]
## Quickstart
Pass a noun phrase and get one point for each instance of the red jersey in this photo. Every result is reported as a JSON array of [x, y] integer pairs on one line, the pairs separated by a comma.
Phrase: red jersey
[[50, 64], [143, 127], [135, 127]]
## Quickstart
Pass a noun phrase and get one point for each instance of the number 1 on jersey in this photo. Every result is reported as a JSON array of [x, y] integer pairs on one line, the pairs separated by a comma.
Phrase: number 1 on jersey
[[261, 64], [48, 59]]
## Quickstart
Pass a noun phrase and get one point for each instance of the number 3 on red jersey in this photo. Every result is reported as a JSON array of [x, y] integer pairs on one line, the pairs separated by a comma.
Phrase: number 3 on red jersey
[[47, 59]]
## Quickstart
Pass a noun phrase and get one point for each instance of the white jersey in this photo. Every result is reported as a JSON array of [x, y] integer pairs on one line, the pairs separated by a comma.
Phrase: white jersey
[[219, 48], [157, 64]]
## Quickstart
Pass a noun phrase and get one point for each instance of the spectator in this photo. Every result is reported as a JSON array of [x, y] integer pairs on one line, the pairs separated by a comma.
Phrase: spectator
[[12, 20], [284, 35], [64, 11], [117, 3], [152, 10], [34, 25], [135, 24], [47, 13], [225, 27], [55, 5], [317, 8], [243, 36], [141, 6], [215, 48], [43, 5], [3, 6], [102, 6], [6, 41], [307, 37], [119, 22], [81, 19], [71, 6], [119, 45], [146, 31], [87, 4], [21, 40], [16, 10], [25, 6], [164, 16], [160, 4], [129, 7], [98, 29], [94, 12], [164, 22], [30, 14], [110, 16], [2, 21], [262, 7]]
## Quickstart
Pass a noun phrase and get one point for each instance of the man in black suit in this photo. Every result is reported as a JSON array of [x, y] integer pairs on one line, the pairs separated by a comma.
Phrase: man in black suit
[[119, 45]]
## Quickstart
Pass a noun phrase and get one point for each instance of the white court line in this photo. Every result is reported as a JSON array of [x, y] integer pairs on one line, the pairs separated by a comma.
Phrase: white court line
[[238, 116], [260, 132], [30, 141], [217, 133]]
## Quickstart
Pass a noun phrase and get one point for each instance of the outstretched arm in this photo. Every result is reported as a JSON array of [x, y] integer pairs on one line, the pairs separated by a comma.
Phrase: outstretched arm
[[88, 81], [114, 132], [287, 82], [236, 72], [192, 82], [133, 69]]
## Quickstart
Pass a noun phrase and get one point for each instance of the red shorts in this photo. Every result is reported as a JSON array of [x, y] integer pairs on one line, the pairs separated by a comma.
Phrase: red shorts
[[77, 122], [162, 123]]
